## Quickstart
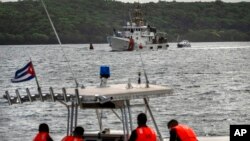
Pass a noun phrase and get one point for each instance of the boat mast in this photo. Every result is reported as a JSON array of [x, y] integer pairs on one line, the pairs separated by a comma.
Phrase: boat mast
[[138, 15]]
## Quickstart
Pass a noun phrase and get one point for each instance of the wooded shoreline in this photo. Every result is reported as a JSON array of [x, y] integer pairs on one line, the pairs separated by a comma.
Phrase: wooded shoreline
[[85, 21]]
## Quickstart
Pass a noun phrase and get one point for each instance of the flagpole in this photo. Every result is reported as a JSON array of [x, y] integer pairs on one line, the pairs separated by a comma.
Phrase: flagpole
[[37, 83], [38, 86]]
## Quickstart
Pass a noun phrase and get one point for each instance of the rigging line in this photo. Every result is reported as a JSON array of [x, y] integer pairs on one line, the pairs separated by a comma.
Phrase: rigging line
[[145, 73], [59, 41]]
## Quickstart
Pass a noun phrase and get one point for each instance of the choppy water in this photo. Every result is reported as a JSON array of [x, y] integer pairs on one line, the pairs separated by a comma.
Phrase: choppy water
[[211, 83]]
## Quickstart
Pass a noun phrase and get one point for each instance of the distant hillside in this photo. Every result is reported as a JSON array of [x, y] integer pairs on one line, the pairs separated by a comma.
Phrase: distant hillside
[[84, 21]]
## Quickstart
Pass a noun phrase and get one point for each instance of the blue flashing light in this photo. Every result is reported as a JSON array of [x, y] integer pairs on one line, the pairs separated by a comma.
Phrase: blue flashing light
[[104, 72]]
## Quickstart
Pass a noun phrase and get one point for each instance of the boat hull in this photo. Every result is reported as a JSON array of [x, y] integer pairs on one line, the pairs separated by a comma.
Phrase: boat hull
[[184, 43], [181, 45], [119, 44], [122, 44], [155, 46]]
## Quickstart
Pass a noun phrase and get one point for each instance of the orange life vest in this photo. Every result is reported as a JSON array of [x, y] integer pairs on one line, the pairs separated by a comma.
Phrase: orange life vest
[[131, 44], [145, 134], [72, 138], [185, 133], [41, 136]]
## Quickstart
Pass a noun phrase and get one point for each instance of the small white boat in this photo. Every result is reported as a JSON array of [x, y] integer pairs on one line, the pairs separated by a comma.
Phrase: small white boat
[[136, 35], [183, 43]]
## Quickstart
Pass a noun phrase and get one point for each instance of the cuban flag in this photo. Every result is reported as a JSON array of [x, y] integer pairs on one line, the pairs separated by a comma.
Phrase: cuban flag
[[24, 74]]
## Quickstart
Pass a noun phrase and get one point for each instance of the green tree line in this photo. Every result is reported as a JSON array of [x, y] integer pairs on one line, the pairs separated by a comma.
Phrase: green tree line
[[84, 21]]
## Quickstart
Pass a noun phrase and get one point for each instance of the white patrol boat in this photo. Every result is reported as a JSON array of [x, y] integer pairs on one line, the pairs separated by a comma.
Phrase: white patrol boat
[[135, 35]]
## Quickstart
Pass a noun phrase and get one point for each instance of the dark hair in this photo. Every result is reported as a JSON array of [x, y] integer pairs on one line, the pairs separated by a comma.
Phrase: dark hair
[[142, 119], [43, 127], [78, 131], [172, 123]]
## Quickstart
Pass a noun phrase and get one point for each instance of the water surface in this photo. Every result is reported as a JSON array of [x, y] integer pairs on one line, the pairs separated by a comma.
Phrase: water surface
[[211, 83]]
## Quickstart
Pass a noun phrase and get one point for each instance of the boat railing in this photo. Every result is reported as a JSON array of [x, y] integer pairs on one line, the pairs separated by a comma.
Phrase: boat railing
[[52, 96], [49, 96]]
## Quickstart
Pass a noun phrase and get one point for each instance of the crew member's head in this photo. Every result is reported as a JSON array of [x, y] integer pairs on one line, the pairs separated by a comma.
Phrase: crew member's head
[[172, 123], [78, 131], [142, 119], [43, 127]]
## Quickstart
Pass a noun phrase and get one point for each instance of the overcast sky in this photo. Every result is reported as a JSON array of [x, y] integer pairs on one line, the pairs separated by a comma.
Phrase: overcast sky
[[143, 1]]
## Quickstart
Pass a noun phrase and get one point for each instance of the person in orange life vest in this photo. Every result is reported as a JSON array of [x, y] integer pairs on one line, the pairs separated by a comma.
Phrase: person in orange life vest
[[131, 44], [43, 134], [142, 132], [180, 132], [140, 46], [78, 135]]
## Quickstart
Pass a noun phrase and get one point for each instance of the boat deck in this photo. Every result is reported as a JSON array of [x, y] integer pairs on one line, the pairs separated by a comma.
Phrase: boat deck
[[118, 134], [209, 138], [216, 138]]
